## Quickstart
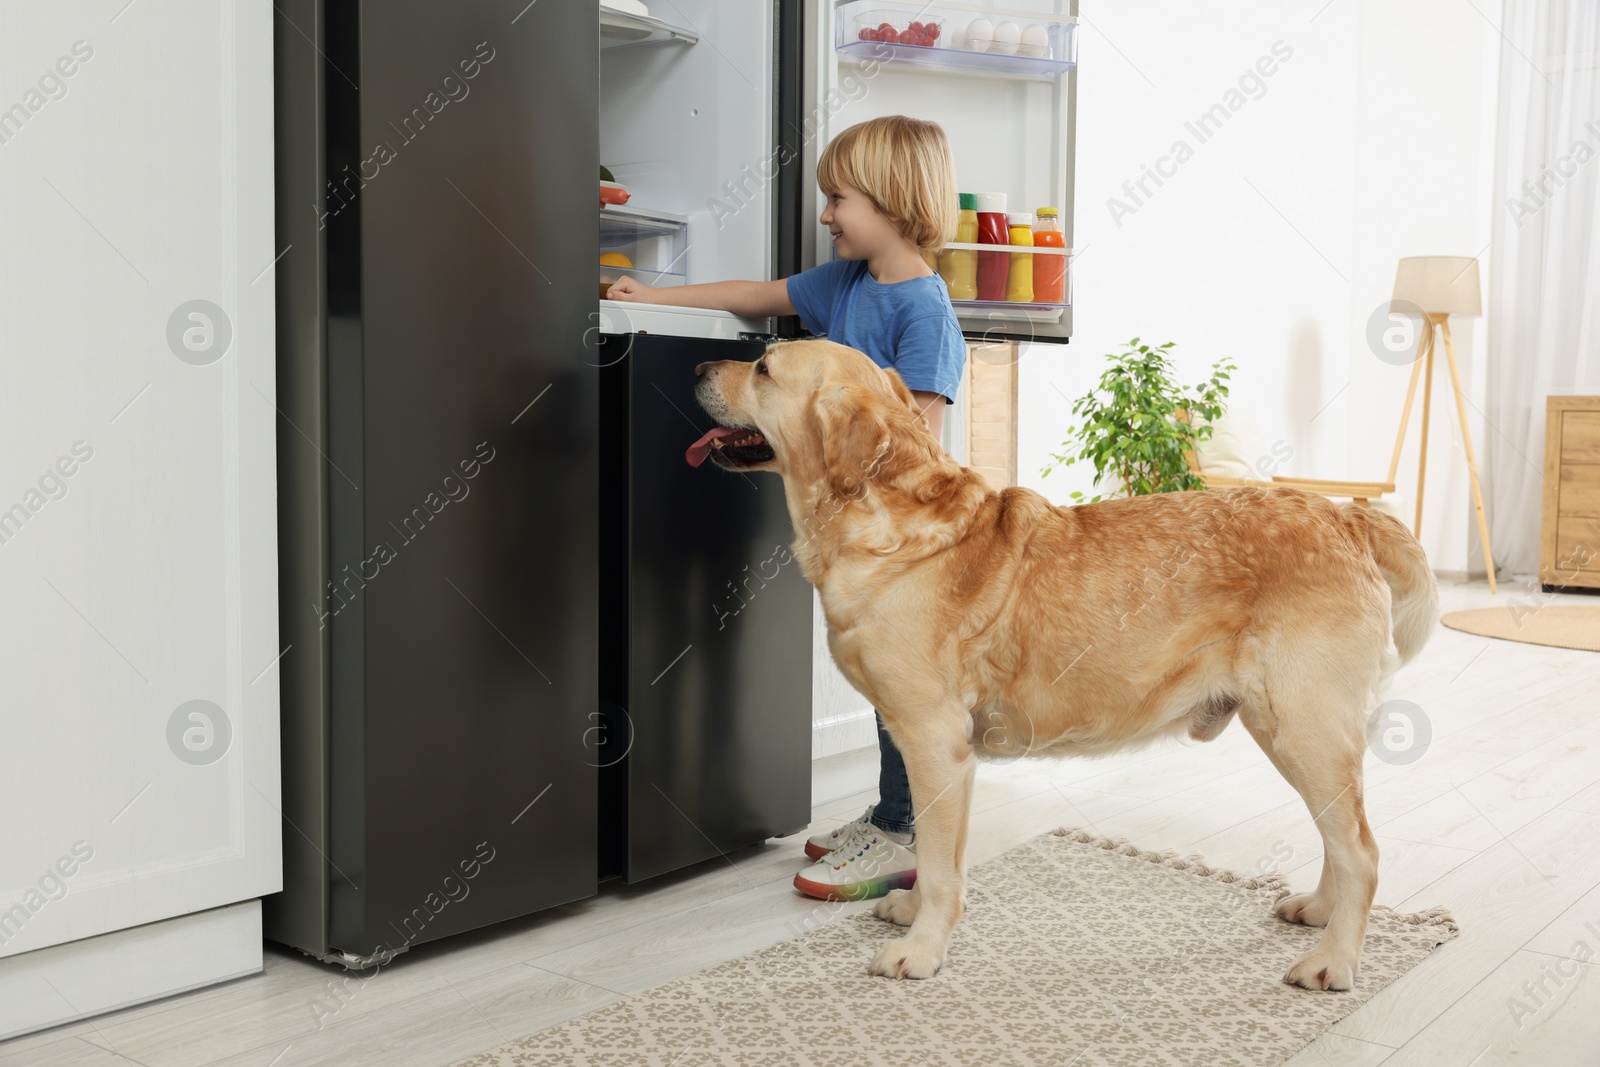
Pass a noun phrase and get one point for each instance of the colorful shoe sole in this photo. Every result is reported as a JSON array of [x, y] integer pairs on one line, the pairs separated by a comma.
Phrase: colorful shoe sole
[[877, 887], [815, 852]]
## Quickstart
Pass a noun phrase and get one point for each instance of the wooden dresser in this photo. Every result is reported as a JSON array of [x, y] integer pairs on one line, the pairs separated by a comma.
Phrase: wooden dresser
[[1569, 544]]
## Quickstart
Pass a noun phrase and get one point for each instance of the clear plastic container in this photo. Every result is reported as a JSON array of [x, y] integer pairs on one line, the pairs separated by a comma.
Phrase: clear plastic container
[[654, 245]]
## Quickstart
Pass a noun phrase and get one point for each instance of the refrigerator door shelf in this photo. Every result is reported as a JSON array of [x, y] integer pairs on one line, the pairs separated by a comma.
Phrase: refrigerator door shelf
[[1041, 47], [1007, 310], [623, 317], [969, 309], [1021, 250]]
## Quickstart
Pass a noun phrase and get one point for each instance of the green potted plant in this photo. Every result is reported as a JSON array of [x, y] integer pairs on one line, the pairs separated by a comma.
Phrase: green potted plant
[[1139, 424]]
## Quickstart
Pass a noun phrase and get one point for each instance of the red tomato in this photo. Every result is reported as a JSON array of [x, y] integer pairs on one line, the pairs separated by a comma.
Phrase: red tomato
[[886, 32], [866, 35], [915, 29], [932, 31]]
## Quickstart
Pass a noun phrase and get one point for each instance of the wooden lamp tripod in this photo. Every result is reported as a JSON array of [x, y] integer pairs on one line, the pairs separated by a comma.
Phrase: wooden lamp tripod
[[1434, 288]]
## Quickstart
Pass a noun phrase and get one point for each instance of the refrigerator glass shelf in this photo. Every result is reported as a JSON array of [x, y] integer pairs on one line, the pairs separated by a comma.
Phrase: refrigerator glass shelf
[[1049, 49], [621, 225], [619, 28]]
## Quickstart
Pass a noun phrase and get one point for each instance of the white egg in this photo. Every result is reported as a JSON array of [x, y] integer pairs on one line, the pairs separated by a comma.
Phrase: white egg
[[980, 34], [1006, 38], [1035, 41]]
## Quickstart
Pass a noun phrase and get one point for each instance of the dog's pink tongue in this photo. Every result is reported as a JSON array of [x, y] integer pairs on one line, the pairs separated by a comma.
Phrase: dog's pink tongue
[[702, 448]]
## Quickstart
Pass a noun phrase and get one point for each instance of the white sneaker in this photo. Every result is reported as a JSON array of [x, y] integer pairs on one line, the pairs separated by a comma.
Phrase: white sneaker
[[868, 863], [822, 844]]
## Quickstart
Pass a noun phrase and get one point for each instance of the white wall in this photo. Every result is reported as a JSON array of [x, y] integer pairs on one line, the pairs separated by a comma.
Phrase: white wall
[[1274, 242], [1428, 79]]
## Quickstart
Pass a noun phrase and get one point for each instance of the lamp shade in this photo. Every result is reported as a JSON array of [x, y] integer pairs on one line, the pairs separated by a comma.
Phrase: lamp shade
[[1438, 285]]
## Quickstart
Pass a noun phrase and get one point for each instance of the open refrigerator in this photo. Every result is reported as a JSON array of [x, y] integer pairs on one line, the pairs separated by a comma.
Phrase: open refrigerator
[[713, 115], [601, 664]]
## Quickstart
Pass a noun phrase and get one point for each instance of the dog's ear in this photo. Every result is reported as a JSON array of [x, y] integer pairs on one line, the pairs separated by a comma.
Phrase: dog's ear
[[855, 438]]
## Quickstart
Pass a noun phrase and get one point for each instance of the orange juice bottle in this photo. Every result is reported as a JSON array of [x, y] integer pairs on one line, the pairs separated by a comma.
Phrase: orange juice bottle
[[1049, 272], [1019, 285]]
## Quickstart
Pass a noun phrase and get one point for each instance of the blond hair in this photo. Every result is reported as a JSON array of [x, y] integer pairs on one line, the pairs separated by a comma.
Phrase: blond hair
[[903, 165]]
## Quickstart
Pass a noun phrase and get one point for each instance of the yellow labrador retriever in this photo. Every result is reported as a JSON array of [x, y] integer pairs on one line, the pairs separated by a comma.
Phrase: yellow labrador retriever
[[984, 623]]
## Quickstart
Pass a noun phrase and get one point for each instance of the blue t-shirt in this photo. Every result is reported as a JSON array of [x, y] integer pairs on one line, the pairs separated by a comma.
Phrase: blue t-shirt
[[907, 325]]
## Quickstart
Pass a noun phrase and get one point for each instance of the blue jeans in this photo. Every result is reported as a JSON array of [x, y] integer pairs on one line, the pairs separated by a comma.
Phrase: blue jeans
[[893, 812]]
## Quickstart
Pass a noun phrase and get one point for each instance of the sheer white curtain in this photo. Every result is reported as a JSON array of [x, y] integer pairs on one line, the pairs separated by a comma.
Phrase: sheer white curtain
[[1543, 287]]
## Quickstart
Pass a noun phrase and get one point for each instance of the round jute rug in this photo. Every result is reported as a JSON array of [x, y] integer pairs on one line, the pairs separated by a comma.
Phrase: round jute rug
[[1561, 625]]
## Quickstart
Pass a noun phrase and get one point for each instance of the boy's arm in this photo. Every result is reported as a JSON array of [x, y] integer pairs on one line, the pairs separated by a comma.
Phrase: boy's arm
[[752, 300], [932, 405]]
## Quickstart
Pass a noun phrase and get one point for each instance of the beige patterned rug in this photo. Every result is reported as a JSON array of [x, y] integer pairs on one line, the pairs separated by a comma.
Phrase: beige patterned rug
[[1074, 949]]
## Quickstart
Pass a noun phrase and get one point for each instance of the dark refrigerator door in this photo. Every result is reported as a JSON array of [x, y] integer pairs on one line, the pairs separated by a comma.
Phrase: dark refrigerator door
[[713, 673], [462, 415]]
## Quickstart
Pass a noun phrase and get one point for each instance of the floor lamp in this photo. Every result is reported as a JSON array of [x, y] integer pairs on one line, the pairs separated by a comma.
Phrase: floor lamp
[[1436, 287]]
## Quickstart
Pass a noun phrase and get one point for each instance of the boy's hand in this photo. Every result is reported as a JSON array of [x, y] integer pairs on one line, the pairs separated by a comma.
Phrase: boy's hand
[[625, 288]]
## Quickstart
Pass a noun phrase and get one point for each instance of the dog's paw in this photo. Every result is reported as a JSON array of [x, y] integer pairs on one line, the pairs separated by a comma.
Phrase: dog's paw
[[898, 907], [1322, 969], [904, 957], [1307, 909]]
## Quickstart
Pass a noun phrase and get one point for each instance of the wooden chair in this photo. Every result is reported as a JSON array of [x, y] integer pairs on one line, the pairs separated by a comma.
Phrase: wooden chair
[[1362, 493]]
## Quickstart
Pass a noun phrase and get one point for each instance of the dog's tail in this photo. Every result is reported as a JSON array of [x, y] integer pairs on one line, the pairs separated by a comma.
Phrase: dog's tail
[[1412, 588]]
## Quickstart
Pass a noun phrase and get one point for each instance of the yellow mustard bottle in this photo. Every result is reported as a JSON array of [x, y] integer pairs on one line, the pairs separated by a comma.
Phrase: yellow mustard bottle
[[1019, 284], [959, 266]]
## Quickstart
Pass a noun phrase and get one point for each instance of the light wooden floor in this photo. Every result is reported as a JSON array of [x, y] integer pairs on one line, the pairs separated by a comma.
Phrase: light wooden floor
[[1500, 820]]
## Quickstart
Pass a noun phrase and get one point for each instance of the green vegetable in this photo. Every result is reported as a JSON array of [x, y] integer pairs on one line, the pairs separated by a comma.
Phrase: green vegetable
[[605, 174]]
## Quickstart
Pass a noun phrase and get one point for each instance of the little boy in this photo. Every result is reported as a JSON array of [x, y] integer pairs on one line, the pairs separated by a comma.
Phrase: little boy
[[891, 190]]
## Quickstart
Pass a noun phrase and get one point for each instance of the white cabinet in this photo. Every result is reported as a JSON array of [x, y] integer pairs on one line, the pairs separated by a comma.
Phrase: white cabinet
[[139, 640]]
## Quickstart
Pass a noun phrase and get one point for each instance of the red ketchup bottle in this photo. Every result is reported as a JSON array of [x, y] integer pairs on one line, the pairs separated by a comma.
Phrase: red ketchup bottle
[[993, 267]]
